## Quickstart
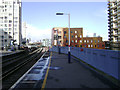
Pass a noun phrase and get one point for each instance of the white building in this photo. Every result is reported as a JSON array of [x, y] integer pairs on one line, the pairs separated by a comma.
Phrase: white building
[[24, 27], [114, 23], [10, 21], [46, 42]]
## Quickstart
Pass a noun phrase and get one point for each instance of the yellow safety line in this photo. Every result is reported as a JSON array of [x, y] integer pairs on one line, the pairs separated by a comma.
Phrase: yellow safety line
[[44, 82]]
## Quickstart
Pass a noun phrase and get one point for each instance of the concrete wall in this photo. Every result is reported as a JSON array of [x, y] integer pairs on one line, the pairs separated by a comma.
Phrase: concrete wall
[[107, 61]]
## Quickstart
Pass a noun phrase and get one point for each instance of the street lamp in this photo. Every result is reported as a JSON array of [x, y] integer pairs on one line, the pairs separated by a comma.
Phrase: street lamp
[[69, 32]]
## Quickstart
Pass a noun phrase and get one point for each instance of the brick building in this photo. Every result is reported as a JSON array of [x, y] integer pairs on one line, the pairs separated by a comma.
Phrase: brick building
[[93, 42], [60, 37]]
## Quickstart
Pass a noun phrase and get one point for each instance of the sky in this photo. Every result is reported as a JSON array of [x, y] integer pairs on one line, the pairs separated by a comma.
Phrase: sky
[[41, 18]]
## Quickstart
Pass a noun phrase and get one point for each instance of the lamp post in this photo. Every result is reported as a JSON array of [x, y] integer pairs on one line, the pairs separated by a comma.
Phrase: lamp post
[[69, 33]]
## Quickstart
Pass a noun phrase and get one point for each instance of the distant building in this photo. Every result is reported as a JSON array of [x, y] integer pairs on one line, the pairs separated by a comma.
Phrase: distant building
[[94, 34], [60, 38], [24, 32], [5, 40], [93, 42], [46, 42], [114, 24], [10, 21], [107, 45]]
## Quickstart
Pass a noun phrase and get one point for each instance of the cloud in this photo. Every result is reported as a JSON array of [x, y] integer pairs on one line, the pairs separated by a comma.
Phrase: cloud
[[37, 34]]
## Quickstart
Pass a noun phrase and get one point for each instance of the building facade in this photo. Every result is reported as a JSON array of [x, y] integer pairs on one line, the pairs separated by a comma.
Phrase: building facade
[[10, 22], [46, 42], [93, 42], [24, 27], [60, 37], [114, 24]]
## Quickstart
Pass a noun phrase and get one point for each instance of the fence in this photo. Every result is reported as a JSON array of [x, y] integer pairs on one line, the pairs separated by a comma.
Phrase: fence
[[107, 61]]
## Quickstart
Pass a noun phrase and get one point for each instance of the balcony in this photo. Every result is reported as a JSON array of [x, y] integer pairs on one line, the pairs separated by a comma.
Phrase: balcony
[[114, 7], [118, 11], [109, 32], [115, 20], [110, 39], [115, 35], [114, 13]]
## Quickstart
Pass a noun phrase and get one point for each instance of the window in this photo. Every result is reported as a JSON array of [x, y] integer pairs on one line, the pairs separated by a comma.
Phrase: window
[[5, 40], [2, 37], [91, 45], [10, 29], [98, 45], [102, 45], [5, 10], [75, 45], [98, 41], [80, 36], [72, 36], [5, 25], [5, 17], [80, 45], [15, 25], [64, 36], [10, 6], [10, 21], [59, 37], [1, 17], [10, 25], [85, 45], [80, 41], [64, 32], [5, 21], [91, 41], [75, 41], [88, 45], [5, 32], [15, 32], [15, 21], [72, 41], [5, 29], [66, 41], [87, 41], [75, 36], [15, 17], [95, 41], [71, 32], [84, 40], [75, 31], [95, 45], [55, 37], [10, 36]]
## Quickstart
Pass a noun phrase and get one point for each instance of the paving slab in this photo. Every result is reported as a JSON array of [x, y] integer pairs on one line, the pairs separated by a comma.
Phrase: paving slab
[[74, 75]]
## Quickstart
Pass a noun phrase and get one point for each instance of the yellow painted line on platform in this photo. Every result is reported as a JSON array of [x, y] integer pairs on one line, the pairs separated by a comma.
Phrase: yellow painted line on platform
[[44, 82]]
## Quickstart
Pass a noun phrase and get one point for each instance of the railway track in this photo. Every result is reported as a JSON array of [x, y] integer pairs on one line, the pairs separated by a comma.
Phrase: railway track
[[14, 69]]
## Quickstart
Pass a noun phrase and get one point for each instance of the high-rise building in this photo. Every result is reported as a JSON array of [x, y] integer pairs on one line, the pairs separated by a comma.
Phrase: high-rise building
[[24, 27], [114, 24], [10, 22]]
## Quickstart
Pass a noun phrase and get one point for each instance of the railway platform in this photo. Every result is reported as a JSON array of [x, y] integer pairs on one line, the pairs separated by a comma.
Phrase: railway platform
[[58, 73], [73, 75], [5, 53]]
